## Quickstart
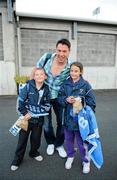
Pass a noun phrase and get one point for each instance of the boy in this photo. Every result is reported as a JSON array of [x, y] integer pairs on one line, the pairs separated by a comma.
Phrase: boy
[[33, 104]]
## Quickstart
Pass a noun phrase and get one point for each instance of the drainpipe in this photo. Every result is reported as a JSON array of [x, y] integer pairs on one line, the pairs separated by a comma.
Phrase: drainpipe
[[10, 11], [18, 49]]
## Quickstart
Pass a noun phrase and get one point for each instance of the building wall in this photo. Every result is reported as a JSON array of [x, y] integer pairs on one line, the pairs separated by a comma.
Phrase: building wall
[[36, 37], [92, 44], [97, 49], [7, 53], [24, 41]]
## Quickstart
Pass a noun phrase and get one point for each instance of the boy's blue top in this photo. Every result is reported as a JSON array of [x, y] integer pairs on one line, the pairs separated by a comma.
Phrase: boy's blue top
[[80, 88], [54, 82], [34, 101]]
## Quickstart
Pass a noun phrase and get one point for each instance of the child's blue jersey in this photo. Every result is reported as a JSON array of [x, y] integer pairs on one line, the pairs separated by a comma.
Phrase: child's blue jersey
[[81, 89], [34, 101]]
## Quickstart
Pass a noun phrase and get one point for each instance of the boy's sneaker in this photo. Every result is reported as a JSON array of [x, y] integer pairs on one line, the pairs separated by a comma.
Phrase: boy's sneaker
[[86, 167], [69, 162], [38, 158], [14, 168], [61, 151], [50, 149]]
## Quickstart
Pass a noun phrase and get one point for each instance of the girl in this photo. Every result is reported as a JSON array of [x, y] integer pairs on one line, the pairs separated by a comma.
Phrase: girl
[[72, 88]]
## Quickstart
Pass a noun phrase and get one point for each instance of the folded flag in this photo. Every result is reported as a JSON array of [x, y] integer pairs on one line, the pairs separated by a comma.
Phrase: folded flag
[[89, 133]]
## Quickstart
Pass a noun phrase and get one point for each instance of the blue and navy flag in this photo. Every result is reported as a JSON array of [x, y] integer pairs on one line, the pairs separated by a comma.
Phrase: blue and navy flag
[[89, 132]]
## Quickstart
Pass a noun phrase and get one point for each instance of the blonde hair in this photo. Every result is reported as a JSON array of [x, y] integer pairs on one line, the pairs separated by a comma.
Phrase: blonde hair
[[34, 70]]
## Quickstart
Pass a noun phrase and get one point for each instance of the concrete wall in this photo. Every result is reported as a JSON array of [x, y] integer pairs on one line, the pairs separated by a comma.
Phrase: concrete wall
[[24, 41], [7, 63], [92, 44], [97, 49]]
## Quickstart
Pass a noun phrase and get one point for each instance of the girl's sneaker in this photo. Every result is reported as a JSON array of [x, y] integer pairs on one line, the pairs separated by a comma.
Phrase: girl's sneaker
[[86, 167], [69, 162]]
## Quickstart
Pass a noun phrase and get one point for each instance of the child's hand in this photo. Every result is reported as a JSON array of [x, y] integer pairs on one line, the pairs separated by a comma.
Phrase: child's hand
[[70, 99], [47, 108], [27, 116]]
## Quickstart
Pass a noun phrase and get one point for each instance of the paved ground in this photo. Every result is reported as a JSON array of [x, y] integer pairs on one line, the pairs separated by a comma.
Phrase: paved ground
[[52, 168]]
